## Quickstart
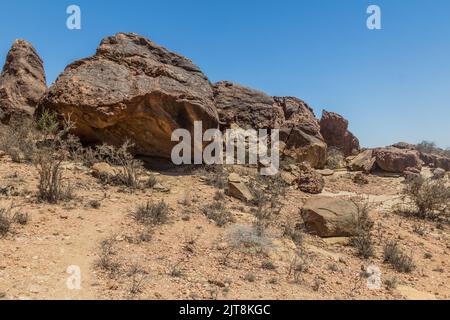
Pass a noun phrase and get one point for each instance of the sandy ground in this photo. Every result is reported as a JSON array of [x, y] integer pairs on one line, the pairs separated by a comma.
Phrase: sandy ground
[[190, 257]]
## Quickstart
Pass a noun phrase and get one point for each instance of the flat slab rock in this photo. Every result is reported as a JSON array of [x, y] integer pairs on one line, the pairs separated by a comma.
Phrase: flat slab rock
[[330, 217]]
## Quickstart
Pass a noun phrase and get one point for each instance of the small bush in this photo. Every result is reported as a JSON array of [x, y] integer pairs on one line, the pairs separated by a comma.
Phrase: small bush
[[250, 277], [5, 221], [398, 259], [130, 168], [151, 181], [152, 213], [8, 218], [362, 241], [215, 176], [218, 212], [246, 238], [18, 140], [431, 198], [105, 260], [268, 265], [49, 157]]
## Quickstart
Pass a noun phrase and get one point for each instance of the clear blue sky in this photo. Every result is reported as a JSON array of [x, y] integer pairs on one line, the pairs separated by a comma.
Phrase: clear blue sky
[[392, 84]]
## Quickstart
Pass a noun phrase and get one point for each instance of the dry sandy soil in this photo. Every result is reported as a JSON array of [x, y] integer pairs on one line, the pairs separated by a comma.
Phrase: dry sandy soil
[[190, 257]]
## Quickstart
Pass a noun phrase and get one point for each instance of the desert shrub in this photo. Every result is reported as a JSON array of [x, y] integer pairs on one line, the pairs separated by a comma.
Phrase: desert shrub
[[152, 213], [362, 241], [18, 140], [299, 264], [430, 147], [130, 168], [294, 232], [250, 277], [397, 258], [151, 181], [268, 265], [5, 221], [268, 194], [431, 198], [245, 238], [9, 216], [105, 260], [218, 212], [335, 158], [214, 175]]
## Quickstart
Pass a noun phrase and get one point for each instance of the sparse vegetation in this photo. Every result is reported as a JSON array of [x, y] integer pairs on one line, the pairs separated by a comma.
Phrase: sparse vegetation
[[218, 212], [18, 140], [8, 216], [152, 213], [250, 277], [49, 157], [430, 198], [105, 260], [268, 265], [362, 241], [130, 168], [398, 259]]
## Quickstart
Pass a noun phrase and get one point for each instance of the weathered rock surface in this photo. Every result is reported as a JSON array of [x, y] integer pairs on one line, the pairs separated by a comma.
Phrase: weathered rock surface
[[238, 189], [435, 161], [364, 161], [397, 160], [133, 89], [22, 82], [308, 179], [252, 109], [334, 129], [330, 217]]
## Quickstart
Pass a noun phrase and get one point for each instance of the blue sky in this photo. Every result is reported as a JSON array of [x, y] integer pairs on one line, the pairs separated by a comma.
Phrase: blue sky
[[392, 84]]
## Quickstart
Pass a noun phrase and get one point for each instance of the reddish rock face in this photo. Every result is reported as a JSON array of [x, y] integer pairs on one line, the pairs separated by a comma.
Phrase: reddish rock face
[[252, 109], [133, 89], [22, 82], [435, 161], [397, 160], [334, 129]]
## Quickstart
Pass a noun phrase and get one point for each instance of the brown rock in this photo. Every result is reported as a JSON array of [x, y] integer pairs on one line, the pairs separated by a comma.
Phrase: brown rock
[[238, 189], [397, 160], [334, 129], [364, 161], [251, 109], [309, 180], [22, 82], [133, 89], [435, 161], [330, 217]]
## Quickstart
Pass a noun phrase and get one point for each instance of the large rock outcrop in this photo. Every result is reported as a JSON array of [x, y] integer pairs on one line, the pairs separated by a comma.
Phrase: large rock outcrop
[[252, 109], [397, 160], [133, 89], [22, 82], [334, 129]]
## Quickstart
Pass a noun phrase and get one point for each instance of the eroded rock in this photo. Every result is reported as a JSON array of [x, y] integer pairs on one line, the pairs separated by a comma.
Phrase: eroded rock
[[22, 82], [133, 89]]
